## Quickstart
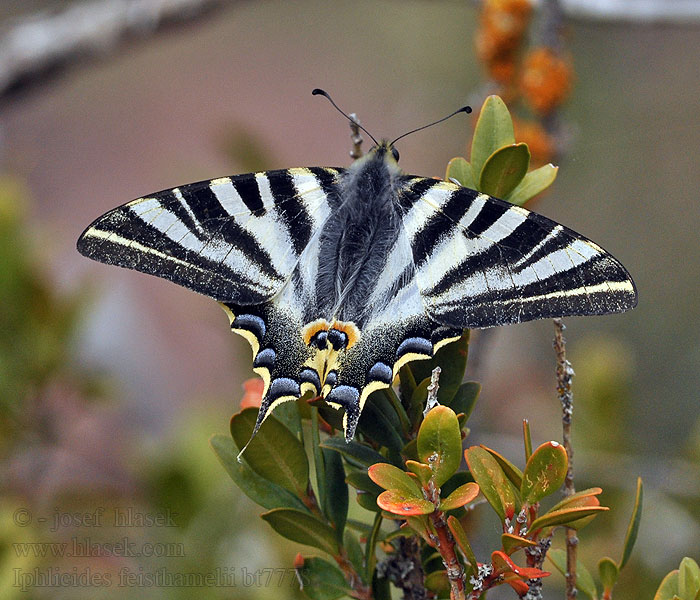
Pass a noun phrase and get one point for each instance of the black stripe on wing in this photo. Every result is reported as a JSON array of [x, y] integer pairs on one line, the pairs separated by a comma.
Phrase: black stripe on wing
[[235, 239], [482, 262]]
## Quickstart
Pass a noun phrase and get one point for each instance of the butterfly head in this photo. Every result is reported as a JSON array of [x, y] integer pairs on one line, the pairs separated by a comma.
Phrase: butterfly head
[[385, 150]]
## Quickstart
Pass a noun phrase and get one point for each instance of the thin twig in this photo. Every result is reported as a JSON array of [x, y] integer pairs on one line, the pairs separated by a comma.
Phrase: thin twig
[[356, 137], [566, 397], [433, 388]]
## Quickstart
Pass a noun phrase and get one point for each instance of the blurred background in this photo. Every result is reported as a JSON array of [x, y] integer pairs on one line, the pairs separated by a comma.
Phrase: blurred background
[[111, 382]]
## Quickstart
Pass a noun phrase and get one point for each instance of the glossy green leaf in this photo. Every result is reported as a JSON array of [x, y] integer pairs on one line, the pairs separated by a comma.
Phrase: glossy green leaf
[[400, 502], [319, 466], [420, 470], [584, 579], [607, 572], [274, 453], [578, 499], [332, 416], [460, 537], [322, 580], [514, 475], [633, 527], [370, 545], [668, 588], [504, 170], [407, 384], [459, 170], [257, 488], [380, 423], [368, 501], [452, 360], [353, 450], [494, 129], [417, 401], [544, 473], [527, 440], [303, 528], [360, 480], [465, 398], [567, 516], [688, 579], [410, 450], [438, 583], [354, 551], [462, 495], [440, 443], [390, 477], [513, 543], [336, 502], [532, 184], [287, 413], [492, 481]]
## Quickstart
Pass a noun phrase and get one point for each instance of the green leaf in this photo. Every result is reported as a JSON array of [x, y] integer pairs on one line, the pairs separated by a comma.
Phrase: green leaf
[[438, 583], [399, 502], [465, 398], [420, 470], [257, 488], [504, 170], [464, 494], [668, 588], [544, 473], [303, 528], [461, 538], [287, 413], [460, 170], [633, 527], [360, 480], [578, 499], [440, 443], [584, 579], [417, 402], [567, 517], [319, 465], [354, 551], [322, 580], [370, 554], [494, 129], [608, 572], [410, 450], [368, 501], [492, 481], [514, 475], [353, 450], [452, 360], [336, 502], [380, 423], [688, 579], [407, 384], [392, 478], [275, 453], [532, 184], [527, 441]]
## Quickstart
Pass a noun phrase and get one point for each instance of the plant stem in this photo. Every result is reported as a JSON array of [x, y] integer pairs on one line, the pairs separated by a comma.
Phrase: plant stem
[[566, 397], [361, 591], [356, 137], [445, 545]]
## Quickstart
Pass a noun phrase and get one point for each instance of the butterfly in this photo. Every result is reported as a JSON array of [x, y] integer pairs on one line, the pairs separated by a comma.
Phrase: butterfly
[[339, 277]]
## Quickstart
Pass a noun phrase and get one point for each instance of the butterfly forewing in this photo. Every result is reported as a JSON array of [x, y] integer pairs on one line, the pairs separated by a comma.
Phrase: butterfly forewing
[[482, 262], [235, 239]]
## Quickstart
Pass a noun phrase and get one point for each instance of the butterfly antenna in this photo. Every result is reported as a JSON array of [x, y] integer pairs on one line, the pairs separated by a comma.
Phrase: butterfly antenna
[[464, 109], [320, 92]]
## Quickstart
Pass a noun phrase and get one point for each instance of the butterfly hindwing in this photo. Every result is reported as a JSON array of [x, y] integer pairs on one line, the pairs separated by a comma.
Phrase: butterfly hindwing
[[482, 262], [235, 239]]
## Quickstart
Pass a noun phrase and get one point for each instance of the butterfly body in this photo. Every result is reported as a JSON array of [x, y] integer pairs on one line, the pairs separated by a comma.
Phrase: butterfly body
[[339, 277]]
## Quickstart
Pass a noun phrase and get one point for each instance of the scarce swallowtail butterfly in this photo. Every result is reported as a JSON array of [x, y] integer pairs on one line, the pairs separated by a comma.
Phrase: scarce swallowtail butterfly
[[338, 277]]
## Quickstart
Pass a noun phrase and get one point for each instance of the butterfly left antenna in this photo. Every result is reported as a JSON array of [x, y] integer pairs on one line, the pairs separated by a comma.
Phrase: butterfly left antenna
[[320, 92]]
